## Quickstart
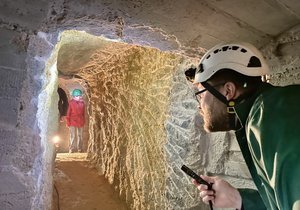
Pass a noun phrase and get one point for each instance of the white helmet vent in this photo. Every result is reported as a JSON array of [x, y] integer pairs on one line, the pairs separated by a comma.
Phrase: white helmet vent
[[241, 57], [254, 62]]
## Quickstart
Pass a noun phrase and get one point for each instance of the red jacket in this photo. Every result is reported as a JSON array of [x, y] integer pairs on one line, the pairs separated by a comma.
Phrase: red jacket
[[75, 113]]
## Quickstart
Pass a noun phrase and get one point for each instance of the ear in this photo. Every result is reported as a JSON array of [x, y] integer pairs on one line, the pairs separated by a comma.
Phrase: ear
[[230, 90]]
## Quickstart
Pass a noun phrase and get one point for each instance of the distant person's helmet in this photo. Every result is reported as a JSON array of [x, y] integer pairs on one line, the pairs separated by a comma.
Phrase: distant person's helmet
[[76, 92], [240, 57]]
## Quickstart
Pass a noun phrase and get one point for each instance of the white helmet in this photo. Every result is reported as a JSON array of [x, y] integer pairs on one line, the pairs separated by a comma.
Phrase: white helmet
[[241, 57]]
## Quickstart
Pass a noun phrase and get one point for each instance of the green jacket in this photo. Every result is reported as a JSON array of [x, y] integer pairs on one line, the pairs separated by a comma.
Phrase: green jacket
[[270, 144]]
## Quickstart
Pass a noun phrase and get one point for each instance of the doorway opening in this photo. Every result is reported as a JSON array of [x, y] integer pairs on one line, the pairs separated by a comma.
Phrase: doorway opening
[[127, 88]]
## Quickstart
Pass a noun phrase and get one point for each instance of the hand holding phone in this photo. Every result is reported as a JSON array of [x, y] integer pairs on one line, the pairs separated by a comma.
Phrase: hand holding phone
[[192, 174]]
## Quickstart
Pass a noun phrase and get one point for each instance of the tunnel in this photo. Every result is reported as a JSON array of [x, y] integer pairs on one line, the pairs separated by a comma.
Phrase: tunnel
[[129, 58], [125, 113]]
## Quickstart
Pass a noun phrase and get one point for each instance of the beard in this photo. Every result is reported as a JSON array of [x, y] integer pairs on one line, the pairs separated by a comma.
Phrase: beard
[[215, 117]]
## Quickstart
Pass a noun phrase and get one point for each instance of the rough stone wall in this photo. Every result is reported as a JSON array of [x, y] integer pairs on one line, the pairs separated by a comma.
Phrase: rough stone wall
[[129, 93], [283, 57], [21, 152], [183, 146], [44, 55]]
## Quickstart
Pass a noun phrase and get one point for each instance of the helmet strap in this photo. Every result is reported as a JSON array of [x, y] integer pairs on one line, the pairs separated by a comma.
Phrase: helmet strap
[[230, 104], [218, 95]]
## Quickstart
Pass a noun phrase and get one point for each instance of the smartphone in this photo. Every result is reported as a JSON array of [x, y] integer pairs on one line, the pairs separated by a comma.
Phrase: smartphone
[[192, 174]]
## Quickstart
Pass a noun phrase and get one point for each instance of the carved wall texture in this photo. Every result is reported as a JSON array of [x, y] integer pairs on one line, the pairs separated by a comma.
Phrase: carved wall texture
[[129, 96]]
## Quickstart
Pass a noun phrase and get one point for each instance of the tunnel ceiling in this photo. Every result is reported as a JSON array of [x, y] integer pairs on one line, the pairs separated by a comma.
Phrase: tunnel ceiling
[[187, 24], [76, 49], [206, 23], [184, 25], [84, 55]]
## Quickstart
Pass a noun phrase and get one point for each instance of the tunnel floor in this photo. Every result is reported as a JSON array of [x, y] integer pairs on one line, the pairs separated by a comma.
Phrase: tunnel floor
[[78, 186]]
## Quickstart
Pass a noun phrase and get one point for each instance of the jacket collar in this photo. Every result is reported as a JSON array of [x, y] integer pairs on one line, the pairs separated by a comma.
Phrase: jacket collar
[[243, 108]]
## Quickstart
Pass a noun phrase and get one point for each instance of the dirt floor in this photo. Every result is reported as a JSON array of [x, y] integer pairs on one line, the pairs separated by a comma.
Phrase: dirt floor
[[79, 187]]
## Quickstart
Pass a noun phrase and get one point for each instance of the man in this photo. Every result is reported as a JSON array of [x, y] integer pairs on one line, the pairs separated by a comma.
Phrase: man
[[265, 119], [75, 120]]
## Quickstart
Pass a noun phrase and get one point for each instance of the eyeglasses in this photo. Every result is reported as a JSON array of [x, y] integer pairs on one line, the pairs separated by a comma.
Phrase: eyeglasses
[[198, 93]]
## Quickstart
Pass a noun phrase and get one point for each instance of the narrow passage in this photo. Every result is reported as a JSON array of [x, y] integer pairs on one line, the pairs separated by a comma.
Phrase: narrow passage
[[80, 187]]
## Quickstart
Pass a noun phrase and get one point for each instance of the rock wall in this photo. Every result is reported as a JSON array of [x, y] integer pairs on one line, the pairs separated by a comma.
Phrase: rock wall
[[22, 155], [129, 96], [29, 122], [283, 58]]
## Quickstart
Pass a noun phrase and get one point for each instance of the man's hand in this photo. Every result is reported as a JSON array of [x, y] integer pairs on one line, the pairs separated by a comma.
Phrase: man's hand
[[222, 195]]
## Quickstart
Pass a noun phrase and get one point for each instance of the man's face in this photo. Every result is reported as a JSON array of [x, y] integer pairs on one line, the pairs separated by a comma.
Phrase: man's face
[[213, 111]]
